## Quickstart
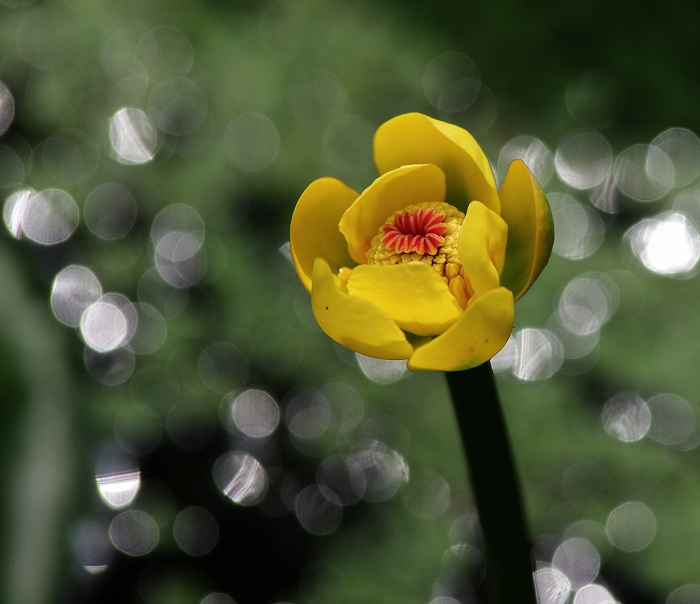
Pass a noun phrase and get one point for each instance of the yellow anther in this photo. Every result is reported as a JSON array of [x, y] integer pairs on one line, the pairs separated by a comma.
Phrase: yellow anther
[[344, 274], [458, 289], [445, 260]]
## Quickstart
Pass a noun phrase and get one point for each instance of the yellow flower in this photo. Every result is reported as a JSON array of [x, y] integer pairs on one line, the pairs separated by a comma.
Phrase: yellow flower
[[425, 263]]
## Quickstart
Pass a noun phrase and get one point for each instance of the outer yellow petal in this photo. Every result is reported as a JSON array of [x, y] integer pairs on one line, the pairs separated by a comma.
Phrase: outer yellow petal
[[354, 322], [530, 228], [482, 247], [314, 229], [415, 138], [479, 334], [412, 294], [391, 192]]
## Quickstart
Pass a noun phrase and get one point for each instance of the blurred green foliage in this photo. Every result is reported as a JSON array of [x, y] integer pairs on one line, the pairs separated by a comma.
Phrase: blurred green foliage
[[324, 74]]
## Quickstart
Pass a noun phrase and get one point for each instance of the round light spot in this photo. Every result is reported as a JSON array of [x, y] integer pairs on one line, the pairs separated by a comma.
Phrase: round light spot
[[578, 560], [626, 417], [118, 489], [607, 197], [506, 358], [13, 211], [672, 419], [682, 147], [50, 217], [104, 326], [380, 370], [644, 173], [552, 586], [593, 594], [385, 471], [180, 259], [217, 598], [427, 494], [196, 531], [668, 244], [255, 413], [308, 416], [687, 594], [539, 354], [240, 477], [7, 108], [583, 159], [92, 547], [133, 532], [631, 526], [460, 561], [178, 236], [585, 305], [579, 229], [110, 211], [318, 510], [252, 141], [74, 290], [533, 152], [133, 136]]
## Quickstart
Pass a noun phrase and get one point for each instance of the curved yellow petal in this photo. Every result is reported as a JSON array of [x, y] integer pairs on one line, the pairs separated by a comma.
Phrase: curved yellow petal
[[530, 228], [353, 322], [412, 294], [314, 230], [475, 338], [415, 138], [482, 247], [391, 192]]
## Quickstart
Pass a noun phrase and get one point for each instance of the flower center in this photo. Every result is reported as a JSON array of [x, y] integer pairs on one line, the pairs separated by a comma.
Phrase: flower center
[[428, 233], [415, 231]]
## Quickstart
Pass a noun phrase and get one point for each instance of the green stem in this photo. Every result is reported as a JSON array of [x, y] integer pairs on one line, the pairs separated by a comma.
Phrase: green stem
[[494, 485]]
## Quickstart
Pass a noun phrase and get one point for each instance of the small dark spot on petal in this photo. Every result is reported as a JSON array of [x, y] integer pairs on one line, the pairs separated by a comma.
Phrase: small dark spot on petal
[[326, 308]]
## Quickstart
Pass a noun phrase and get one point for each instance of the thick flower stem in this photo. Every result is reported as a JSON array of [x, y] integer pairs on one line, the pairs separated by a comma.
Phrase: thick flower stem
[[494, 485]]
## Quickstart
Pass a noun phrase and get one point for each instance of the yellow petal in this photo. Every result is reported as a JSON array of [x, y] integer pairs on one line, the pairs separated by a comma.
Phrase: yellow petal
[[412, 294], [475, 338], [314, 229], [354, 322], [415, 138], [530, 228], [391, 192], [482, 247]]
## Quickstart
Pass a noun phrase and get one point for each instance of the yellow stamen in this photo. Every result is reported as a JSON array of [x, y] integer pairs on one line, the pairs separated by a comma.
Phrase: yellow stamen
[[445, 259]]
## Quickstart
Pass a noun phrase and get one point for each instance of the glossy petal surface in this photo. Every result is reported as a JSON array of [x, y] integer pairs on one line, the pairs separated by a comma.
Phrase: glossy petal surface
[[354, 322], [475, 338], [412, 294], [482, 247], [415, 138], [530, 228], [314, 228], [388, 194]]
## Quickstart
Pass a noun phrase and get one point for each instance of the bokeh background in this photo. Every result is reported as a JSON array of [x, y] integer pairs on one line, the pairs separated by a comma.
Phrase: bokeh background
[[176, 429]]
